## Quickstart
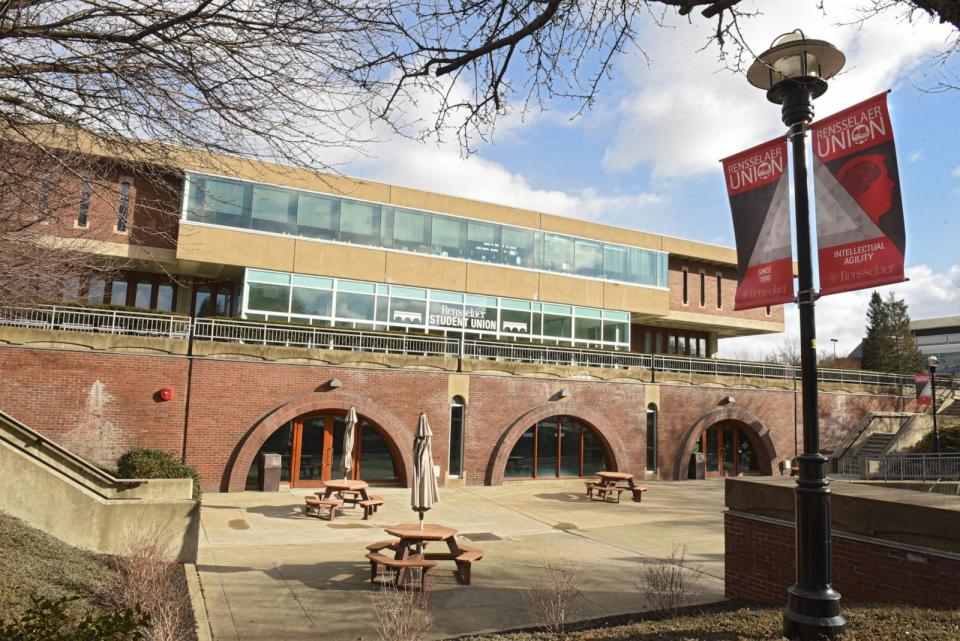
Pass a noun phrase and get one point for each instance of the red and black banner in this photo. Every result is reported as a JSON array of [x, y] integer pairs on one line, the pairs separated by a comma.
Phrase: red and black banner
[[924, 389], [859, 212], [757, 185]]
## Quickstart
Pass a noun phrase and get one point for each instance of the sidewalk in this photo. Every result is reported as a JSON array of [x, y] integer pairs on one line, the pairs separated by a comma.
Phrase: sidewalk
[[270, 573]]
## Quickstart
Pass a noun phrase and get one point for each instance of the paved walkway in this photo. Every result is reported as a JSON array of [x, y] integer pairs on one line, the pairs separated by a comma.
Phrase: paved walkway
[[270, 573]]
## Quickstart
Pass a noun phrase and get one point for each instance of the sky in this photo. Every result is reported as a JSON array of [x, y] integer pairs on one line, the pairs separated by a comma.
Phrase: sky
[[646, 155]]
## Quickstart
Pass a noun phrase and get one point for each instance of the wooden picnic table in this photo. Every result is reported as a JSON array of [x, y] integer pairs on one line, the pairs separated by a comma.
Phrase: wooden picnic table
[[607, 484], [349, 491], [412, 541]]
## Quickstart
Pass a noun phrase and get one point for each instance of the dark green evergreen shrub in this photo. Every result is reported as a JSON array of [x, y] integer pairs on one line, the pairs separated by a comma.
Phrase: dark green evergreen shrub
[[156, 464], [49, 620]]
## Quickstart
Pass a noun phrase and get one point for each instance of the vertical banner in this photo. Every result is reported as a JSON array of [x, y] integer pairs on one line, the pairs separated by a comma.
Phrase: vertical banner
[[757, 185], [924, 389], [859, 212]]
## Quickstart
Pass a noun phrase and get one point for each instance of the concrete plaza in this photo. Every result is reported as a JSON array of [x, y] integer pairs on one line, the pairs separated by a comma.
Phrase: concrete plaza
[[268, 572]]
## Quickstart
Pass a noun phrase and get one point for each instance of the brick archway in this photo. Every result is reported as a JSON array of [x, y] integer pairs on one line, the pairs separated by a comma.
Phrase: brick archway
[[391, 426], [612, 444], [756, 432]]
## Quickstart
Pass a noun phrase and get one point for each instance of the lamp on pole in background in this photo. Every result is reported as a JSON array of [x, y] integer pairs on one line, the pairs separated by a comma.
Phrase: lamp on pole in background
[[932, 363], [834, 341], [794, 72]]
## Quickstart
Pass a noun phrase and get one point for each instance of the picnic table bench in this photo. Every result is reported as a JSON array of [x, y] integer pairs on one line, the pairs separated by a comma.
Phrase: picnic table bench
[[399, 566], [318, 507], [410, 537], [610, 483], [370, 506]]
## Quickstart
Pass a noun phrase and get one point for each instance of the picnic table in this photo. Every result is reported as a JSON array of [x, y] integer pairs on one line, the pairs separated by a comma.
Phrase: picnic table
[[614, 483], [353, 493], [408, 548]]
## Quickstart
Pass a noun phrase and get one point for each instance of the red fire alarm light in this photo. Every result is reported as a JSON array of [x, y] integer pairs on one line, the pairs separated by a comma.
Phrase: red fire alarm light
[[168, 394]]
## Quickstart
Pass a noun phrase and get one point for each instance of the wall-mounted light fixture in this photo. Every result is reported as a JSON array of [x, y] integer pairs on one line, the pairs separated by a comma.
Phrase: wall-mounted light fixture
[[727, 400], [335, 383], [564, 393]]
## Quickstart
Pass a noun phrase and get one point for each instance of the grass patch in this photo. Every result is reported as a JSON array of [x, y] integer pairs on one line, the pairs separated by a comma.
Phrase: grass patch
[[34, 563], [731, 623]]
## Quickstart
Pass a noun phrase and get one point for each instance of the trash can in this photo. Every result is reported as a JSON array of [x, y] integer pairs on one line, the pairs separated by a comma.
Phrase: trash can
[[270, 472], [698, 466]]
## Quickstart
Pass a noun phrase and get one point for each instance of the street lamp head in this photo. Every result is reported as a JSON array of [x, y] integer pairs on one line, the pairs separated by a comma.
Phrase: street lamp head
[[932, 362], [794, 58]]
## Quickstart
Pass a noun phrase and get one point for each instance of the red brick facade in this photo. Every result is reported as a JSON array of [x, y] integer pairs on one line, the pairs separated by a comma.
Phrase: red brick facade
[[235, 405], [759, 561]]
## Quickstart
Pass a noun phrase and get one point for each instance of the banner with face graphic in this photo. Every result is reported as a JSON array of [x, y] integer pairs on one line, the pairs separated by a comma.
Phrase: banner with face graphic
[[757, 186], [859, 212]]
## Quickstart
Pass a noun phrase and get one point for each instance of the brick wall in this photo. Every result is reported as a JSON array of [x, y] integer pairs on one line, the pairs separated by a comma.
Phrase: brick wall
[[112, 396], [728, 284], [759, 562]]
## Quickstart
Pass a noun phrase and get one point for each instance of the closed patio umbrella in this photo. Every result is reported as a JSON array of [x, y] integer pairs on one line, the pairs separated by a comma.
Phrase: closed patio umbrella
[[348, 442], [424, 490]]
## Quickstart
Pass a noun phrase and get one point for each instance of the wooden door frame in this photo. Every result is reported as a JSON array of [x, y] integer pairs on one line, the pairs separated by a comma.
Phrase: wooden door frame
[[737, 432]]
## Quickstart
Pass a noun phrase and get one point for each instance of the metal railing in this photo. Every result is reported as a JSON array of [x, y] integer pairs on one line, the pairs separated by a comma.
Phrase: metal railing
[[93, 320], [214, 329], [96, 321], [900, 467]]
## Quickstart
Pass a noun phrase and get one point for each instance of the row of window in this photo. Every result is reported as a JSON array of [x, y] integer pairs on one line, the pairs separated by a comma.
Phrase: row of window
[[659, 340], [123, 205], [358, 304], [245, 205], [703, 288], [146, 291]]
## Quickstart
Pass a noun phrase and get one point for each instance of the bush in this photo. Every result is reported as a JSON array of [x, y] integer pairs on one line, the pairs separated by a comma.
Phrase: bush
[[156, 464], [49, 620]]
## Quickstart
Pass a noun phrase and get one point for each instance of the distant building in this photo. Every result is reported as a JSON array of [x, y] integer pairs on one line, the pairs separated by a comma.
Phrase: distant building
[[939, 337]]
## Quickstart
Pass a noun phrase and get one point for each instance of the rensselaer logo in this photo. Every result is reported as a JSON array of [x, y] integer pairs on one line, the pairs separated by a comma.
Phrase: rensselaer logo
[[764, 170], [860, 134]]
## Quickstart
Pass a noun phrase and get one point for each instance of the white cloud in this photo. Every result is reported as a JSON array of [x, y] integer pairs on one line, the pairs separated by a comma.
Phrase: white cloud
[[916, 156], [956, 172], [685, 111], [928, 294]]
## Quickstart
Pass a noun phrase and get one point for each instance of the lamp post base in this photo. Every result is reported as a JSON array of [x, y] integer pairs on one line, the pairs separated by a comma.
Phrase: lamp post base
[[813, 614]]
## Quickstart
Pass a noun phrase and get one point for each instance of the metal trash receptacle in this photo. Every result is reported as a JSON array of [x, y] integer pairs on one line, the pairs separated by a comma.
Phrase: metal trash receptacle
[[698, 466], [270, 472]]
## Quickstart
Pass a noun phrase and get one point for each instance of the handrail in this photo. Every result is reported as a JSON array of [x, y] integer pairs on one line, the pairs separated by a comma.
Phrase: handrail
[[891, 467], [92, 320]]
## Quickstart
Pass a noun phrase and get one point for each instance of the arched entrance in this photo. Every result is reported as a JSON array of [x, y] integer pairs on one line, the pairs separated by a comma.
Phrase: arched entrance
[[721, 433], [728, 450], [311, 451], [557, 447]]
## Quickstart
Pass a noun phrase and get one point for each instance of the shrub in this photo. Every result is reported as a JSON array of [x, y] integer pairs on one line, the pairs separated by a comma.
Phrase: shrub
[[402, 614], [49, 620], [156, 464], [552, 604], [671, 584]]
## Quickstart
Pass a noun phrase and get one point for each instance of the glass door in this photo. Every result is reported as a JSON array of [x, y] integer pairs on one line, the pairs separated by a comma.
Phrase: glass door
[[311, 452], [727, 450]]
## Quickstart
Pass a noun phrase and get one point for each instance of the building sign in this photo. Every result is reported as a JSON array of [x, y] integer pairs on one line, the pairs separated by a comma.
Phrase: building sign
[[859, 212], [757, 185], [468, 317], [924, 389]]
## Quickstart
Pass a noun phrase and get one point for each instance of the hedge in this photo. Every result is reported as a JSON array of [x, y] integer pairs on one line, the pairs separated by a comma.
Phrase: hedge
[[144, 463]]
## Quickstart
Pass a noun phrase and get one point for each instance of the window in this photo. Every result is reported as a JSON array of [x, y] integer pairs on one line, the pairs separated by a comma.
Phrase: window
[[165, 297], [518, 247], [686, 298], [411, 231], [359, 223], [273, 210], [703, 289], [651, 437], [588, 258], [123, 206], [143, 295], [557, 253], [447, 236], [483, 242], [456, 437], [318, 216], [118, 292], [95, 290], [83, 214], [564, 447], [719, 290], [768, 310]]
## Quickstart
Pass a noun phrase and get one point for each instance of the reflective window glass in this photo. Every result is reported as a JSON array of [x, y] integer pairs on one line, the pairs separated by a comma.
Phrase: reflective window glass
[[409, 312], [547, 448], [447, 235], [411, 231], [71, 288], [617, 332], [268, 277], [643, 267], [355, 306], [318, 216], [518, 247], [483, 242], [594, 460], [588, 258], [165, 297], [569, 447], [269, 298], [589, 329], [273, 210], [376, 462], [651, 437], [118, 292], [224, 301], [144, 293], [514, 322], [123, 207], [557, 326], [520, 461], [557, 253], [616, 263], [95, 290], [316, 282], [359, 223], [223, 203], [316, 302]]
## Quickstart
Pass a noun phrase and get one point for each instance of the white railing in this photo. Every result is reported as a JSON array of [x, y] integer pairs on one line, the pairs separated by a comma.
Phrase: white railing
[[900, 467], [92, 320], [214, 329], [96, 321]]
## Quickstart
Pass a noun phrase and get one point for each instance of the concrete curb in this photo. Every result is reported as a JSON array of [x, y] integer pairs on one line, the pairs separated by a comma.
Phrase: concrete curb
[[197, 603]]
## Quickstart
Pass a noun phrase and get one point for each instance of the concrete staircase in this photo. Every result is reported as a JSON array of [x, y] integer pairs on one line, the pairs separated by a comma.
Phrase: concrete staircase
[[875, 444]]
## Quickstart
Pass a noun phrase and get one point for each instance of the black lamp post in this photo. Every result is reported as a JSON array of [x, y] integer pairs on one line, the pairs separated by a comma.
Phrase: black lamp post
[[794, 72], [932, 363]]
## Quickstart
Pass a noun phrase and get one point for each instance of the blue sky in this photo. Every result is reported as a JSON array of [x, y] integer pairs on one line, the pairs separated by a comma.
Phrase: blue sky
[[646, 155]]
